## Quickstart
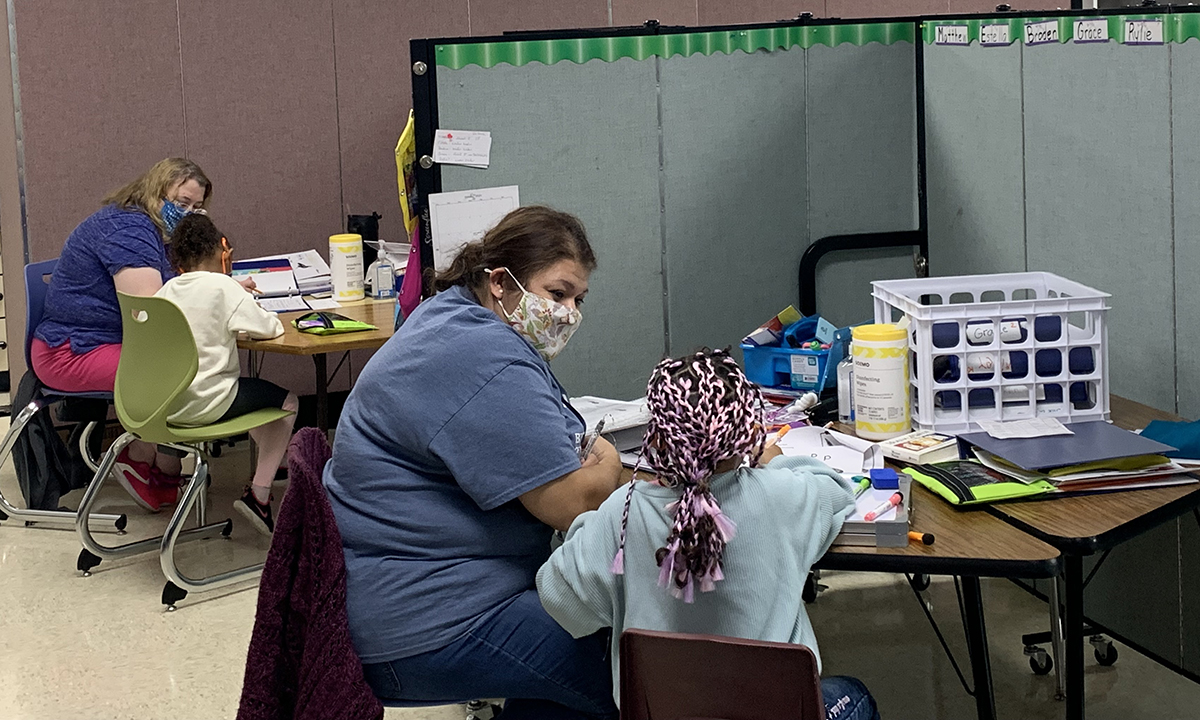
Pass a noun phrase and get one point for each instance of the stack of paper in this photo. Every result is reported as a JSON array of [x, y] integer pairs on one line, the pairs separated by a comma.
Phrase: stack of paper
[[846, 454], [624, 420], [308, 271], [273, 277], [1091, 457], [312, 272]]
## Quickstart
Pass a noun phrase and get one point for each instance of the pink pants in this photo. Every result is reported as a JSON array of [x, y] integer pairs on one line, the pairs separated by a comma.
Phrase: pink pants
[[61, 369]]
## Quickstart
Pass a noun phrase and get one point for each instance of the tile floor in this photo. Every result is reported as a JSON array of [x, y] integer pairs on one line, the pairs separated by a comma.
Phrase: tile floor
[[103, 647]]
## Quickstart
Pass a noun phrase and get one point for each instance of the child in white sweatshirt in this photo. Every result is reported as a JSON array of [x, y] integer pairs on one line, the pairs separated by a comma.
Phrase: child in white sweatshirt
[[217, 308], [666, 556]]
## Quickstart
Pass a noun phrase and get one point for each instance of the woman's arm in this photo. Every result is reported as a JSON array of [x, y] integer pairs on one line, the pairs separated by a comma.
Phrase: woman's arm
[[559, 502], [140, 281]]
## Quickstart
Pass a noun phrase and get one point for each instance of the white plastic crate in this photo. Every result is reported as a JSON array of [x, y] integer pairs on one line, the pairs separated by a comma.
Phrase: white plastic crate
[[1044, 337]]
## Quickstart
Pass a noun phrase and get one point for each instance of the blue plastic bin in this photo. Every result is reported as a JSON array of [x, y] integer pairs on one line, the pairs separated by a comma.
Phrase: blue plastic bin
[[797, 368]]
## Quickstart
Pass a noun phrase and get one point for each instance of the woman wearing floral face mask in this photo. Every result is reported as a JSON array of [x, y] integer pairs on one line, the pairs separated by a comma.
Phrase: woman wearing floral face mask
[[454, 461], [119, 247]]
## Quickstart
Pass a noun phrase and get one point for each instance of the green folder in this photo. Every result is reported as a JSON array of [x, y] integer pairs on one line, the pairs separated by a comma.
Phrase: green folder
[[969, 482]]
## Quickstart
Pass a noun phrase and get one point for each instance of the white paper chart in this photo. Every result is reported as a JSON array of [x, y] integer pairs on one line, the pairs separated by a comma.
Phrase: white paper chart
[[457, 218]]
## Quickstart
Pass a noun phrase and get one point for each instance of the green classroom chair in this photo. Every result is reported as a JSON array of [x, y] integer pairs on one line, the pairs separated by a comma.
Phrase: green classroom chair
[[158, 362]]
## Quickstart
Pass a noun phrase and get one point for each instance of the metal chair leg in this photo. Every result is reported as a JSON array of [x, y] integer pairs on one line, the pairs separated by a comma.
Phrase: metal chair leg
[[54, 518], [85, 439], [179, 585], [93, 552]]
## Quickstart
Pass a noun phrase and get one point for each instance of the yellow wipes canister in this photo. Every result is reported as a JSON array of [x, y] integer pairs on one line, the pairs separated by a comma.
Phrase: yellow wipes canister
[[346, 266], [881, 394]]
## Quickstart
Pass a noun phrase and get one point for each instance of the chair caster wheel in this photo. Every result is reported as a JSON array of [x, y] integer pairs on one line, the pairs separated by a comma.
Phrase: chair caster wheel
[[919, 582], [1103, 649], [172, 594], [121, 523], [87, 560], [1040, 661], [227, 530]]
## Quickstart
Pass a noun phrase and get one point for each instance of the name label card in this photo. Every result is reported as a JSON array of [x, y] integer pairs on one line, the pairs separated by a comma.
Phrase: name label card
[[1091, 31], [1143, 32], [1040, 33], [950, 35], [994, 35]]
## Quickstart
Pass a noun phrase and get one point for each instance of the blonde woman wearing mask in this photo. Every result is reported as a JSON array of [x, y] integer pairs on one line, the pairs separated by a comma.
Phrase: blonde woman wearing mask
[[118, 248]]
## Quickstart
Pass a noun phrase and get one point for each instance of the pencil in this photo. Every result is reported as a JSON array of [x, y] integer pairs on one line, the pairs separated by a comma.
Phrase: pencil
[[777, 436]]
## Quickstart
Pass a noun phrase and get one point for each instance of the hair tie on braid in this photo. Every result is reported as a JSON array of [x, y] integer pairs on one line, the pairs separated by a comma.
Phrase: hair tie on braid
[[703, 411]]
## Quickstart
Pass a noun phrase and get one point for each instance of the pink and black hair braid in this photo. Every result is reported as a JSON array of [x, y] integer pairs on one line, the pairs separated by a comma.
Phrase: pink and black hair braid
[[703, 411]]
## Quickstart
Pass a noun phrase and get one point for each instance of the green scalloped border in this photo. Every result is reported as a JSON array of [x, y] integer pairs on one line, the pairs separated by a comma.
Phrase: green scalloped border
[[1177, 28], [639, 47]]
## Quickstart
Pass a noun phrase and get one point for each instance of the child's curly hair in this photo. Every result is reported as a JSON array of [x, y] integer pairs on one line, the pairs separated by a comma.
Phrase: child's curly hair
[[195, 240], [703, 411]]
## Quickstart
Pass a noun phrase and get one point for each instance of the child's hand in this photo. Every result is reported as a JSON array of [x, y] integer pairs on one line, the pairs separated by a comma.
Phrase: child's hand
[[769, 454], [247, 282]]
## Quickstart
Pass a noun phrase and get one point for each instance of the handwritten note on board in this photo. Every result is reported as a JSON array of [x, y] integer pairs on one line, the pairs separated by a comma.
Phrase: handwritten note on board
[[472, 148], [951, 35], [1091, 31], [1143, 32], [994, 35], [457, 218], [1038, 33]]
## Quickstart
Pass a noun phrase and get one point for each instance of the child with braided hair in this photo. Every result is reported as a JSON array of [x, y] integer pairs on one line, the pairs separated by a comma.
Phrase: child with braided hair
[[666, 554]]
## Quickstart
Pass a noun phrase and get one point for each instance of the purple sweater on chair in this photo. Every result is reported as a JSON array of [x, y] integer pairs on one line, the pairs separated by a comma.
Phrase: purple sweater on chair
[[302, 663]]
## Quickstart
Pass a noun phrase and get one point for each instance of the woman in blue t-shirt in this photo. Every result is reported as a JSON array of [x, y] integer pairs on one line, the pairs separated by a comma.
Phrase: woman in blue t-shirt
[[77, 345], [454, 461]]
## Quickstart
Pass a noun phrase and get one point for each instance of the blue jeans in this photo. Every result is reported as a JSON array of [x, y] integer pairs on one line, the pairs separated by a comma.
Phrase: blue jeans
[[516, 652], [847, 699]]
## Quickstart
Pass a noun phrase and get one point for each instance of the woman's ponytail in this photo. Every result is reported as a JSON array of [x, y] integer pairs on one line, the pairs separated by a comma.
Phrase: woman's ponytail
[[464, 270]]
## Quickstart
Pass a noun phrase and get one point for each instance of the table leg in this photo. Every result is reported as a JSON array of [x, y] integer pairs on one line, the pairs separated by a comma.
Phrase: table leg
[[1056, 636], [981, 664], [322, 392], [1073, 617]]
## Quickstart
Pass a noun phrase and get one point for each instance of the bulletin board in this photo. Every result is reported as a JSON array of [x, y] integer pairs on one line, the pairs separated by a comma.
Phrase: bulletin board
[[1065, 143], [702, 161]]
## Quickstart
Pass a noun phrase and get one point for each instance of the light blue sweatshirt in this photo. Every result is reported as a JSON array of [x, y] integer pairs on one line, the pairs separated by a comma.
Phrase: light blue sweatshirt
[[787, 515]]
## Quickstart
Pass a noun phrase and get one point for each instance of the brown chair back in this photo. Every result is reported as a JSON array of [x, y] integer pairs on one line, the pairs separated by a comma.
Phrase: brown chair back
[[675, 676]]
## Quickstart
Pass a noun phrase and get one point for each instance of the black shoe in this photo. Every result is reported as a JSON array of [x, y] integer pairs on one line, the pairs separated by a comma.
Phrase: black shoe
[[259, 514]]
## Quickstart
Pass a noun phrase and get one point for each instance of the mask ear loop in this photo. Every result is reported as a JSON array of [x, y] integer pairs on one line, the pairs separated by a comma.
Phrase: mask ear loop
[[504, 310]]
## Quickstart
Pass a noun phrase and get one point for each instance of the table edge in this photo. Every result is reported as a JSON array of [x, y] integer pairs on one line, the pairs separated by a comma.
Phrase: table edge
[[963, 567], [1091, 544]]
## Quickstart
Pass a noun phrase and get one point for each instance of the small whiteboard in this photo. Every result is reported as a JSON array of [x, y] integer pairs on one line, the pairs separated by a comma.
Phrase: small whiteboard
[[458, 218]]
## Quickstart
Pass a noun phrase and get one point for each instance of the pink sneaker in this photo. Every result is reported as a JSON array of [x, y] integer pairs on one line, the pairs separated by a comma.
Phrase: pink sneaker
[[136, 477], [164, 487]]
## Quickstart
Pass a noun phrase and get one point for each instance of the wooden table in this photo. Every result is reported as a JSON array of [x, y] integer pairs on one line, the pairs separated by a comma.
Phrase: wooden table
[[969, 544], [379, 313], [1086, 524]]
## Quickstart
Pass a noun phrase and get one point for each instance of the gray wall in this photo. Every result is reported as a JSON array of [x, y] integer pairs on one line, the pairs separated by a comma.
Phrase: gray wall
[[1061, 158], [580, 152], [703, 186], [1082, 160]]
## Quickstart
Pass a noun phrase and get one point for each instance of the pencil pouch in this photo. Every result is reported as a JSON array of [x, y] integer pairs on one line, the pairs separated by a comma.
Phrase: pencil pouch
[[328, 323], [966, 482]]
